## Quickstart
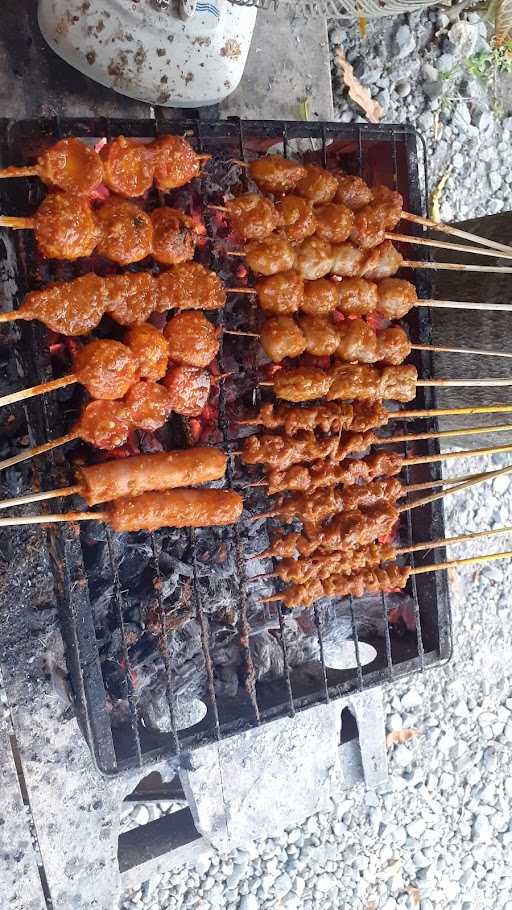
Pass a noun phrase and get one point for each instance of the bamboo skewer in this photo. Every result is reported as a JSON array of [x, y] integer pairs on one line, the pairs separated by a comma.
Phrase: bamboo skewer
[[445, 383], [440, 304], [31, 171], [40, 389], [39, 497], [445, 434], [454, 266], [52, 518], [447, 541], [467, 561], [448, 456], [38, 450], [444, 245], [17, 224], [425, 413], [455, 232]]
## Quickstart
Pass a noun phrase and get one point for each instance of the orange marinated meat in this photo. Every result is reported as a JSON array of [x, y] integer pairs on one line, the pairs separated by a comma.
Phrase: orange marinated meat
[[297, 217], [269, 256], [252, 216], [354, 381], [126, 231], [65, 227], [132, 297], [357, 342], [189, 389], [347, 260], [393, 346], [71, 307], [368, 229], [314, 258], [320, 333], [104, 424], [317, 185], [148, 405], [72, 166], [398, 383], [175, 162], [334, 222], [353, 192], [395, 297], [142, 473], [151, 350], [127, 166], [321, 296], [191, 338], [301, 384], [281, 294], [357, 297], [383, 263], [275, 174], [189, 285], [106, 368], [174, 239], [281, 337], [183, 508]]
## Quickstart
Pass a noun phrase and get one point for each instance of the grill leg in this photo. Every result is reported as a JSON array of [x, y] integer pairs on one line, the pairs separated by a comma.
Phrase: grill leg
[[365, 758]]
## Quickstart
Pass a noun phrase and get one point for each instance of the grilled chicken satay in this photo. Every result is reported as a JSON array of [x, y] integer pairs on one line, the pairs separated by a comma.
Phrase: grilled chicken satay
[[300, 571], [327, 501], [348, 381], [351, 340], [367, 581], [326, 473], [279, 451], [329, 417], [76, 307]]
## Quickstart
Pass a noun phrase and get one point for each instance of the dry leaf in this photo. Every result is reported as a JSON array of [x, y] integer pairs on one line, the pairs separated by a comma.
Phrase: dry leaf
[[391, 870], [413, 892], [399, 736], [503, 21], [356, 91], [372, 906], [437, 194]]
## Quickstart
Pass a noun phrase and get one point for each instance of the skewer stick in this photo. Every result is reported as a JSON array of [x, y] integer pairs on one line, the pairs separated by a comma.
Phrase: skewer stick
[[454, 266], [443, 245], [418, 414], [51, 519], [17, 224], [448, 456], [465, 305], [7, 172], [38, 450], [38, 497], [455, 232], [445, 434], [441, 349], [481, 478], [447, 541], [218, 208], [11, 316], [467, 561], [240, 290], [466, 383], [23, 394]]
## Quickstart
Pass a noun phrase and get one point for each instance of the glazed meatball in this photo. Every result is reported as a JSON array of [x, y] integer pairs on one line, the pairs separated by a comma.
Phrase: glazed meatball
[[281, 294], [368, 229], [175, 162], [347, 259], [393, 345], [189, 389], [358, 297], [334, 222], [395, 297], [66, 227], [317, 185], [275, 174], [192, 339], [321, 335], [106, 368], [275, 254], [71, 166], [314, 258], [148, 404], [357, 342], [383, 262], [297, 217], [131, 297], [281, 337], [189, 286], [151, 350], [127, 166], [353, 192], [252, 216], [126, 231], [321, 296], [104, 424], [174, 238]]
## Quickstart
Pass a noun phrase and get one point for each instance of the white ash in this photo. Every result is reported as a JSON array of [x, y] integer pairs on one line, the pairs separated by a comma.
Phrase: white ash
[[439, 835], [418, 67]]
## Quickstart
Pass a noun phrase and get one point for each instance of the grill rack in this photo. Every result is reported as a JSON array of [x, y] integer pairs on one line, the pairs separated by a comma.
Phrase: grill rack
[[402, 153]]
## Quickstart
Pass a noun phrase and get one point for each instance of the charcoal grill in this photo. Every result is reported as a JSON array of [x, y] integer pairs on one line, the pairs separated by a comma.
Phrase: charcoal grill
[[414, 631]]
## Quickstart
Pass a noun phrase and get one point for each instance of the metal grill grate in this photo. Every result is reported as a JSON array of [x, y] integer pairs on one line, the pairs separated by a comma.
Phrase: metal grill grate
[[393, 155]]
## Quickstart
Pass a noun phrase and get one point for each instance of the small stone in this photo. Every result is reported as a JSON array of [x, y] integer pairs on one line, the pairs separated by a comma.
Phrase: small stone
[[404, 43], [507, 123], [426, 120], [430, 73], [202, 864], [481, 831], [433, 89], [483, 120], [249, 902], [394, 722], [416, 828], [325, 883], [446, 63], [347, 116], [140, 815], [507, 732], [420, 860], [403, 88], [283, 884]]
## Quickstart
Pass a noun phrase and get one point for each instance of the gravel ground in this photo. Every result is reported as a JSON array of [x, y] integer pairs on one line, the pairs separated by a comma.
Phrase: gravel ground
[[439, 835]]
